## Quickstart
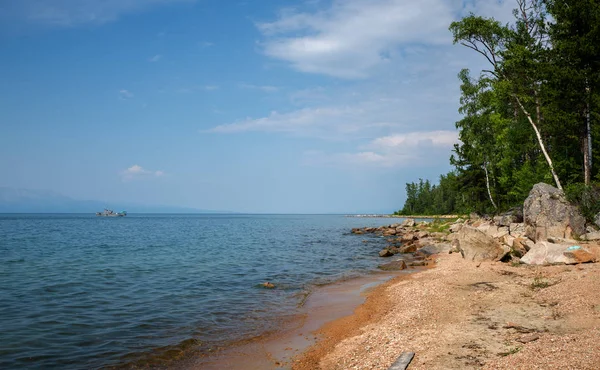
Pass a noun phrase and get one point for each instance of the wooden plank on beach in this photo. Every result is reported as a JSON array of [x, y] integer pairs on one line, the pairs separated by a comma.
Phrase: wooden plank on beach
[[403, 361]]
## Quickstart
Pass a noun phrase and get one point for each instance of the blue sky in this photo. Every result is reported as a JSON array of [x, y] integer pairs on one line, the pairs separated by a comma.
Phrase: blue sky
[[253, 106]]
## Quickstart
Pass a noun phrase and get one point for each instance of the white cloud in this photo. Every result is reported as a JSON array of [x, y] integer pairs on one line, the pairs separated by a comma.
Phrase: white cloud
[[125, 94], [401, 103], [351, 38], [71, 13], [332, 122], [136, 172], [155, 58], [205, 44], [263, 88], [501, 10], [414, 140], [413, 149]]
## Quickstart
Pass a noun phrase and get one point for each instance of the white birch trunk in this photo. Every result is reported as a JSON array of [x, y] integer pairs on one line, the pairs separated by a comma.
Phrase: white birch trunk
[[487, 180], [541, 143]]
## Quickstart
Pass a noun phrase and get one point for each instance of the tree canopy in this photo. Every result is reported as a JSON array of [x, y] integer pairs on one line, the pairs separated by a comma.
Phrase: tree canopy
[[531, 116]]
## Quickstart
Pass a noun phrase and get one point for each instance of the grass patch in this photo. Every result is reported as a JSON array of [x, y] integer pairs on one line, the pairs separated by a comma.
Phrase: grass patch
[[511, 351], [539, 282], [440, 225]]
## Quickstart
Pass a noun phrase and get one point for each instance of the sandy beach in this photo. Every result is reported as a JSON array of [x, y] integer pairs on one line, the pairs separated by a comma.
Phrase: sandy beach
[[461, 315]]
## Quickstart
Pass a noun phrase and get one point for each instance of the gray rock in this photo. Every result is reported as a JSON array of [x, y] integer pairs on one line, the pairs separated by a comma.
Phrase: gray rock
[[393, 266], [403, 361], [547, 213], [546, 253], [516, 229], [502, 231], [436, 248], [456, 228], [476, 245], [385, 253], [591, 236], [409, 222], [409, 248], [389, 232], [513, 216], [597, 219]]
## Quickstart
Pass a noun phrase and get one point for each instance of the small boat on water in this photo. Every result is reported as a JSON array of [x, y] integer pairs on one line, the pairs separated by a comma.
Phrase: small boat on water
[[111, 213]]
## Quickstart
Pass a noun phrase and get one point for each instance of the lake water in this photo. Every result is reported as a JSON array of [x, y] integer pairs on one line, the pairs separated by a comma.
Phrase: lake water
[[79, 291]]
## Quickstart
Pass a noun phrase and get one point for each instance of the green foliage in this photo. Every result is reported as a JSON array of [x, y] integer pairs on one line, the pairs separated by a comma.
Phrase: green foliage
[[540, 282], [542, 77], [586, 197]]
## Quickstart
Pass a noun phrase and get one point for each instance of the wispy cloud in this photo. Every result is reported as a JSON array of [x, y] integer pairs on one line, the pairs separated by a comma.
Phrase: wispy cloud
[[71, 13], [323, 122], [413, 149], [125, 94], [155, 58], [205, 44], [351, 38], [138, 172], [263, 88]]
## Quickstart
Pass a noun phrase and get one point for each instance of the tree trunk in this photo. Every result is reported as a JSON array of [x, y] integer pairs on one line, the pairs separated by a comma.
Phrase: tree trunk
[[586, 157], [541, 143], [587, 147], [487, 181]]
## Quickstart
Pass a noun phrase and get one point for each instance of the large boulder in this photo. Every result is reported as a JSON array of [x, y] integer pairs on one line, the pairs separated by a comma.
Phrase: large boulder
[[476, 245], [591, 236], [546, 253], [547, 213]]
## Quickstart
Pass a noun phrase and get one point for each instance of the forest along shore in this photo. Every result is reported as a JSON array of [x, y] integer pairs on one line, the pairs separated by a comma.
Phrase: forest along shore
[[518, 291], [414, 217]]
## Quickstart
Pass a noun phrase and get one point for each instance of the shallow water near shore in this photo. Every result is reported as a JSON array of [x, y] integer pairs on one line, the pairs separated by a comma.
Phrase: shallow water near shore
[[151, 290]]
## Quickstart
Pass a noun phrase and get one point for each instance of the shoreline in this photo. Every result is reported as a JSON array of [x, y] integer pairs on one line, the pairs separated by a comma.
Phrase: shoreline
[[413, 217], [465, 315], [332, 333], [277, 350]]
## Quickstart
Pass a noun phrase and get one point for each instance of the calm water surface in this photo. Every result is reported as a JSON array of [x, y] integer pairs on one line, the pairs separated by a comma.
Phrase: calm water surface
[[79, 291]]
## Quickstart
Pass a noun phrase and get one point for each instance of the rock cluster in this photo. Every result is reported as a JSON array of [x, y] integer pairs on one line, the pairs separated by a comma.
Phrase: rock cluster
[[413, 241], [542, 233], [547, 230]]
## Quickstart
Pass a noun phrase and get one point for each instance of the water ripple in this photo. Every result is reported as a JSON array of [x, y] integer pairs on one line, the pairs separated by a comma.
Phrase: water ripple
[[84, 292]]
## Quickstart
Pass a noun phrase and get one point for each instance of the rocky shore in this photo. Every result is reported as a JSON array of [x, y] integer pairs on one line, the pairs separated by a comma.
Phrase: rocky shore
[[516, 291], [547, 230]]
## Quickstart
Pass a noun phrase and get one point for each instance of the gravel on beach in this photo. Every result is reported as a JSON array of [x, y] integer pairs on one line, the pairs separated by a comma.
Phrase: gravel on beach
[[465, 315]]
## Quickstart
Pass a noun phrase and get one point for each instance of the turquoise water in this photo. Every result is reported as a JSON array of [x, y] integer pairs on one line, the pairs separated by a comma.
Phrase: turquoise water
[[79, 291]]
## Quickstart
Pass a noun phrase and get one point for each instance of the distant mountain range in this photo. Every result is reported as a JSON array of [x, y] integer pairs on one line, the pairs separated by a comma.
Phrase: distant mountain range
[[44, 201]]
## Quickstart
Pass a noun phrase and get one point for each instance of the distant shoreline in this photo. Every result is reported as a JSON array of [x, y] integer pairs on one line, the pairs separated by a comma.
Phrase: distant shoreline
[[408, 216]]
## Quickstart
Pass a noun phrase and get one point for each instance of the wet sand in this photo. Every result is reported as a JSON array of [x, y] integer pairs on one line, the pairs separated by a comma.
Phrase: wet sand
[[327, 304]]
